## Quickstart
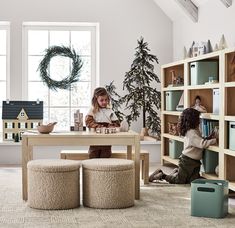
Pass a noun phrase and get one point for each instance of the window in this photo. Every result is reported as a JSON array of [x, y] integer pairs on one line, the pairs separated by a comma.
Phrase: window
[[4, 64], [60, 105]]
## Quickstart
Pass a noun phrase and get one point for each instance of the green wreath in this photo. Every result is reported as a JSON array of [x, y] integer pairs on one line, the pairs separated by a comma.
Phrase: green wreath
[[67, 81]]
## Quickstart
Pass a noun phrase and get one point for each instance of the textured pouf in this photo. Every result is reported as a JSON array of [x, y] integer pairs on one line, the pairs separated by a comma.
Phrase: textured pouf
[[53, 184], [108, 183]]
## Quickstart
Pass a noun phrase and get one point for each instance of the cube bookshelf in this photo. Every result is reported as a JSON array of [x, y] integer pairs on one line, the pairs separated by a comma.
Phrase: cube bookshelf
[[225, 86]]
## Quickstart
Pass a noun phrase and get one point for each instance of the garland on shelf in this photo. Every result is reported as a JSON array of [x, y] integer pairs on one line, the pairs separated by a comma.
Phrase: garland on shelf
[[67, 81]]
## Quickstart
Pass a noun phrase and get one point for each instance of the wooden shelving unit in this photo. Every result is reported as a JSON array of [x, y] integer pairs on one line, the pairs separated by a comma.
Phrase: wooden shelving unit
[[226, 86]]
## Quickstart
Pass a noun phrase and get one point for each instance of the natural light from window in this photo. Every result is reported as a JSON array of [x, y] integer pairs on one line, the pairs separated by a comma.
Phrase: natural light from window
[[4, 30], [60, 105]]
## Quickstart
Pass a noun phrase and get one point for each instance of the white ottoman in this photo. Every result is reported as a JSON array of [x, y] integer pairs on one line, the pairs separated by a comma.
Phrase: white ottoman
[[53, 184], [108, 183]]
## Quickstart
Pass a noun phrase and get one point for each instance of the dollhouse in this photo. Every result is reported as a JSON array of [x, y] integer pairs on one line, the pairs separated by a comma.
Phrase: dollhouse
[[19, 116]]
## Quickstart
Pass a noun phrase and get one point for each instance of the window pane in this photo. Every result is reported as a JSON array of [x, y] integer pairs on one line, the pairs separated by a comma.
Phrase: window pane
[[2, 67], [37, 90], [59, 38], [84, 111], [45, 115], [81, 42], [37, 42], [59, 97], [3, 36], [86, 69], [59, 68], [33, 63], [81, 94], [61, 116], [2, 91]]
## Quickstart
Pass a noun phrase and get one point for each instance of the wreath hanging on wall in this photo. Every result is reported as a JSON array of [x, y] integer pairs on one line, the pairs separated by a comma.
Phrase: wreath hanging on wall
[[68, 80]]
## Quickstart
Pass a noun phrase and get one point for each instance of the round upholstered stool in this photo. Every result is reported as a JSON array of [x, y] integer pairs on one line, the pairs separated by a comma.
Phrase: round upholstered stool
[[53, 184], [108, 183]]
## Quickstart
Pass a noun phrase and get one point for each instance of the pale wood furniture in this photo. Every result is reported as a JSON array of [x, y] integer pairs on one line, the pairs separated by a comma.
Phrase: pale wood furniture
[[129, 139], [83, 154], [226, 86]]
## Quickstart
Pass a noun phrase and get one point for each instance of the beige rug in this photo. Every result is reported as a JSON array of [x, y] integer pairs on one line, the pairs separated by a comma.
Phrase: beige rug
[[161, 205]]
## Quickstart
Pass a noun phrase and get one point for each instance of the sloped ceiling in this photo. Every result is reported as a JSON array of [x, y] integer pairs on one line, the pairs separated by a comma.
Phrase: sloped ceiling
[[172, 9]]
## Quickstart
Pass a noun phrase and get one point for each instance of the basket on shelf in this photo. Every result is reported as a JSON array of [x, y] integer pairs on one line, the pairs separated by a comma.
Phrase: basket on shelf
[[172, 128]]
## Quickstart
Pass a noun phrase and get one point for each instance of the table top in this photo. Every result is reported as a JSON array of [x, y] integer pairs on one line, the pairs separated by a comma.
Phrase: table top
[[78, 134]]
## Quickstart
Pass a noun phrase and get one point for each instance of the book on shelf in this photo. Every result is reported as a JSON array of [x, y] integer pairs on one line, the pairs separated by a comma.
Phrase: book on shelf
[[209, 126]]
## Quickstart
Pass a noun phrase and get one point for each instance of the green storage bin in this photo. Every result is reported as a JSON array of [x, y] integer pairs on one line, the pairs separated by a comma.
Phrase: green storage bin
[[210, 161], [172, 99], [175, 148], [209, 198], [200, 71]]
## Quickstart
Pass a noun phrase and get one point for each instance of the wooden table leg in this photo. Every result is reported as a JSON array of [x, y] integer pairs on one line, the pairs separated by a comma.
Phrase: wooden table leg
[[27, 155], [129, 152], [137, 167]]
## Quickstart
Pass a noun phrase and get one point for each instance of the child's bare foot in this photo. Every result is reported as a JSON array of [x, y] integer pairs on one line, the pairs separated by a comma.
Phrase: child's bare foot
[[151, 178]]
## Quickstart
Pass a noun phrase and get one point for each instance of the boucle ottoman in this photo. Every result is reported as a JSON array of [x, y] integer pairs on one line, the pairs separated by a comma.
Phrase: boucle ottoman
[[108, 183], [53, 184]]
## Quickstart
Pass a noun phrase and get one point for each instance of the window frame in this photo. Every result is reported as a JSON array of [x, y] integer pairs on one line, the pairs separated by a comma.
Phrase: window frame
[[5, 25], [58, 26]]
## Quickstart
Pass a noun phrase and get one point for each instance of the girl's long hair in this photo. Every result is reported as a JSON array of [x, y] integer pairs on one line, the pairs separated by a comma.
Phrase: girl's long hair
[[189, 119], [99, 91]]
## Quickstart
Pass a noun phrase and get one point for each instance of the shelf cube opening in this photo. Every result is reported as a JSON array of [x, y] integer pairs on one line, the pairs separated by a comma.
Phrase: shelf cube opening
[[174, 76]]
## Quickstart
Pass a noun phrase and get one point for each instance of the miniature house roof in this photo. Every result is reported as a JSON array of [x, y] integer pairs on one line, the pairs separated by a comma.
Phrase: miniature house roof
[[33, 109]]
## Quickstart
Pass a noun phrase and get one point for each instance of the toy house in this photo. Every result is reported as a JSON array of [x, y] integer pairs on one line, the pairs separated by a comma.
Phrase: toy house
[[19, 116]]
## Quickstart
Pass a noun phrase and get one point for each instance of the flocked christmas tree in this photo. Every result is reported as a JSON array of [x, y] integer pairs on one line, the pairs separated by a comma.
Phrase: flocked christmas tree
[[115, 100], [142, 96]]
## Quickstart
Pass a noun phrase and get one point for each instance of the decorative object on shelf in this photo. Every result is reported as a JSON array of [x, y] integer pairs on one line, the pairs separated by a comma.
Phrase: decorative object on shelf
[[199, 48], [78, 121], [172, 128], [222, 43], [20, 116], [180, 106], [198, 106], [142, 93], [216, 48], [46, 129], [185, 53], [176, 80], [115, 99], [54, 51]]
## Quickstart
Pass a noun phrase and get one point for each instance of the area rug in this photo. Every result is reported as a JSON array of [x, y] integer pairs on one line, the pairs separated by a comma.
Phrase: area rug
[[161, 205]]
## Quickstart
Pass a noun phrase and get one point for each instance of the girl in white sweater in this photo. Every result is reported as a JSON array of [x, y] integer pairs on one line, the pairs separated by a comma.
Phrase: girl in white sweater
[[189, 161]]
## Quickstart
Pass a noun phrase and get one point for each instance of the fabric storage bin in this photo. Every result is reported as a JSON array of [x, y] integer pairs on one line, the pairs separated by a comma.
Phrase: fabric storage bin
[[201, 71], [231, 135], [209, 198], [175, 148], [210, 161], [172, 99]]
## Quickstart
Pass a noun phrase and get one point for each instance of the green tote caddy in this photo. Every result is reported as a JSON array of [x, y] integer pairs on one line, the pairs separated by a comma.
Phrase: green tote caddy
[[209, 198]]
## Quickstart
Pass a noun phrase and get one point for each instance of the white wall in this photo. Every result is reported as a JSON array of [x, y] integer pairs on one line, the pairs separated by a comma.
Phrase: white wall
[[214, 20], [122, 22]]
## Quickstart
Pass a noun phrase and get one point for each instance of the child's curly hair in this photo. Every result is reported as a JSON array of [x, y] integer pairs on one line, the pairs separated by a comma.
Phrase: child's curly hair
[[189, 119]]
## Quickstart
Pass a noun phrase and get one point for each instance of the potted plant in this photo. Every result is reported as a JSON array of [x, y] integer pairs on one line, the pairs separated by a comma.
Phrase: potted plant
[[142, 97]]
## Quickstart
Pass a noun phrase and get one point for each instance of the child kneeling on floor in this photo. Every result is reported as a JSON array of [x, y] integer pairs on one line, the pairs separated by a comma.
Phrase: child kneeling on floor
[[189, 161]]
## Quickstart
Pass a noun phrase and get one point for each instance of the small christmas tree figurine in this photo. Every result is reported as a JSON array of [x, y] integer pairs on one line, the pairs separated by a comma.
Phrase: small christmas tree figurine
[[142, 94], [115, 100]]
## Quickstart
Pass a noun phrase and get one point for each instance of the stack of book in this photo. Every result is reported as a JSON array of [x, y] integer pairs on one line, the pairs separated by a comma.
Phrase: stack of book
[[209, 126]]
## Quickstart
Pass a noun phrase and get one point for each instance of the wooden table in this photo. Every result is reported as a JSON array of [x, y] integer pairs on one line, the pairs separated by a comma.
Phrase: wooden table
[[30, 139]]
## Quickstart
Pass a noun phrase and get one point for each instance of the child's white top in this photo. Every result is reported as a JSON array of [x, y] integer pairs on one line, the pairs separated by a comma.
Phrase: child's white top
[[104, 115], [194, 144]]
